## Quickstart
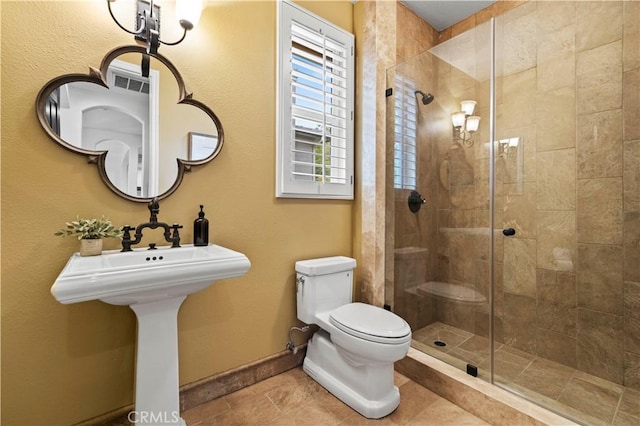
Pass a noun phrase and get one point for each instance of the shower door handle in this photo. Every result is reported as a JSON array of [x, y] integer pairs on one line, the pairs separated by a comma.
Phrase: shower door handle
[[508, 232]]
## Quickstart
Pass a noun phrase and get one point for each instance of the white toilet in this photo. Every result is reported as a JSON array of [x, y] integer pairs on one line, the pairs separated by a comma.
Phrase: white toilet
[[352, 354]]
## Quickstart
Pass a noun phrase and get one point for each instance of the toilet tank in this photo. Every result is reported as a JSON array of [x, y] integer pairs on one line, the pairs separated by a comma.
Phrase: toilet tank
[[322, 285]]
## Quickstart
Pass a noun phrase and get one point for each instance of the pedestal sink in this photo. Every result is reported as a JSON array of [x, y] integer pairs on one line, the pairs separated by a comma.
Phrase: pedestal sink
[[154, 283]]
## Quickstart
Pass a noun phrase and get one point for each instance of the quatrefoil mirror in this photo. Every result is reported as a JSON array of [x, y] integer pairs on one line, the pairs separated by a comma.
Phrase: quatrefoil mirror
[[143, 133]]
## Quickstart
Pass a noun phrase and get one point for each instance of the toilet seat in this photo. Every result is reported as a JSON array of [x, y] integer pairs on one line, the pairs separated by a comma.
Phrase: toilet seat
[[371, 323]]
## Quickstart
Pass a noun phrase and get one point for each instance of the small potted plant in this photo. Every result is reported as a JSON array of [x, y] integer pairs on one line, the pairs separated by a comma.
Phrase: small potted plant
[[90, 232]]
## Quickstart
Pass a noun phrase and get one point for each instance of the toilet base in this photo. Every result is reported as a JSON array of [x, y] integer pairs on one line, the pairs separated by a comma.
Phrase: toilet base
[[368, 389]]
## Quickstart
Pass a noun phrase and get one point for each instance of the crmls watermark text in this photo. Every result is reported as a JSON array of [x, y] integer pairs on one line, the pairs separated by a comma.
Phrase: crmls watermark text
[[151, 417]]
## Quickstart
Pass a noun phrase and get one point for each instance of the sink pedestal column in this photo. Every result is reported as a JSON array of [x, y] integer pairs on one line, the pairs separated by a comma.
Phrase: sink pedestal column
[[157, 385]]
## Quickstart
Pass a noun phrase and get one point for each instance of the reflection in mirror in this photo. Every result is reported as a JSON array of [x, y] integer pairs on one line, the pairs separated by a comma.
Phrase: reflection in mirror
[[201, 145], [143, 132]]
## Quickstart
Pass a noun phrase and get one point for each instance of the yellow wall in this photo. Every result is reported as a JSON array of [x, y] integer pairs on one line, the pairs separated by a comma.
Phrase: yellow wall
[[65, 363]]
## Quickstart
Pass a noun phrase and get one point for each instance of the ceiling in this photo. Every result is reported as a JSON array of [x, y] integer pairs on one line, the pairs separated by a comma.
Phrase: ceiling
[[442, 14]]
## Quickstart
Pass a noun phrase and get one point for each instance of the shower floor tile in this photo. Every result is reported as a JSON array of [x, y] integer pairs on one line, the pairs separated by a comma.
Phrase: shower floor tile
[[584, 398], [293, 398]]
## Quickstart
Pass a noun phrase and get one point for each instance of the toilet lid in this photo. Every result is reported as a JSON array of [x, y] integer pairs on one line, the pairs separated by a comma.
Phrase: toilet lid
[[371, 323]]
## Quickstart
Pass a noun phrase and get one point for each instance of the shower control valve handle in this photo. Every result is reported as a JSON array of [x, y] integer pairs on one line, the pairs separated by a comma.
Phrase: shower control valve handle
[[415, 201]]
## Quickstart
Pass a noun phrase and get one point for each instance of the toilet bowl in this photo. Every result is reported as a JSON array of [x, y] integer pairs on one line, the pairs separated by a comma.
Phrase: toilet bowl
[[352, 354]]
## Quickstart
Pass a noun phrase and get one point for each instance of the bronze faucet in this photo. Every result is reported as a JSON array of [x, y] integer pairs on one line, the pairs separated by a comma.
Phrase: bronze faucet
[[154, 209]]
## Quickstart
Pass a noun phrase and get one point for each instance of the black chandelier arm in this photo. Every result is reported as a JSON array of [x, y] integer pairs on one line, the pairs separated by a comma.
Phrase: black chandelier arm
[[184, 34], [142, 22]]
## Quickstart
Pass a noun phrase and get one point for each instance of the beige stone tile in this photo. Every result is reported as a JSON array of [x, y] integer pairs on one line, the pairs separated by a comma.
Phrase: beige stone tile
[[468, 356], [599, 211], [558, 347], [556, 188], [507, 365], [443, 412], [556, 287], [554, 15], [308, 414], [462, 86], [413, 399], [519, 320], [558, 318], [295, 377], [519, 46], [631, 104], [520, 209], [631, 176], [454, 313], [527, 173], [599, 278], [520, 266], [597, 23], [556, 59], [556, 73], [515, 356], [355, 419], [599, 78], [555, 230], [462, 196], [476, 344], [205, 411], [451, 339], [599, 144], [518, 92], [632, 317], [631, 35], [400, 379], [246, 413], [545, 377], [554, 44], [590, 399], [286, 398], [630, 402], [624, 419], [554, 129], [600, 344], [632, 370]]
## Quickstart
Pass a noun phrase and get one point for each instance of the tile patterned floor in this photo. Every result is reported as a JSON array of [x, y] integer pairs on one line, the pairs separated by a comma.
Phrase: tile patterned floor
[[293, 398], [584, 398]]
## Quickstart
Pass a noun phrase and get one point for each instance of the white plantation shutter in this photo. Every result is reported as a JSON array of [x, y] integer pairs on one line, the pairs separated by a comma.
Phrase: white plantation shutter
[[315, 107], [404, 135]]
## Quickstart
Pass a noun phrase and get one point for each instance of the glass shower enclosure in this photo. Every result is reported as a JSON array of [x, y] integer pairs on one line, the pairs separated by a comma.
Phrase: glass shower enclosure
[[522, 264]]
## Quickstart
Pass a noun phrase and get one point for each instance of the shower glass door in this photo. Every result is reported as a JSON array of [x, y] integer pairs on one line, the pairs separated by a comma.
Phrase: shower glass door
[[442, 259], [567, 170], [523, 263]]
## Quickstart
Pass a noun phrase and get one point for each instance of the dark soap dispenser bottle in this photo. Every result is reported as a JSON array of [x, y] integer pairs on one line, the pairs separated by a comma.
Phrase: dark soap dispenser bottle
[[201, 229]]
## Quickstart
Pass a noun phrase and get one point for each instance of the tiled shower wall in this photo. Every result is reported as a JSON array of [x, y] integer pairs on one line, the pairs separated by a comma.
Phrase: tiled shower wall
[[568, 284], [570, 89]]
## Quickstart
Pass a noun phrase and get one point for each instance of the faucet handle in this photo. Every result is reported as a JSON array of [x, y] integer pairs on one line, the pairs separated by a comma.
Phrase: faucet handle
[[175, 238], [154, 209], [126, 238]]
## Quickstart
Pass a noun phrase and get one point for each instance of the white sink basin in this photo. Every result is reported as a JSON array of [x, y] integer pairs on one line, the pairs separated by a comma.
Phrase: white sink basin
[[154, 283], [143, 275]]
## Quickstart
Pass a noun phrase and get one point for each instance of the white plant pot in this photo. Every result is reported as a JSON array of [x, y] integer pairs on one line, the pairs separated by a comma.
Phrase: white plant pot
[[91, 247]]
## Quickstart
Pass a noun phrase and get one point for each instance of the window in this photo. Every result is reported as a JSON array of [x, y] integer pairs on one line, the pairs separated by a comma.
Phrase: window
[[314, 108], [404, 137]]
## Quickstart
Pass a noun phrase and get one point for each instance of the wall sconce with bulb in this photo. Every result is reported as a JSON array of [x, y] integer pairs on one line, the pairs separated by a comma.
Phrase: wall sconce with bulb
[[147, 27], [465, 124]]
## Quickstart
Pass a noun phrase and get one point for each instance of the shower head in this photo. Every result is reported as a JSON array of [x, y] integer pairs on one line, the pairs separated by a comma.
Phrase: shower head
[[427, 98]]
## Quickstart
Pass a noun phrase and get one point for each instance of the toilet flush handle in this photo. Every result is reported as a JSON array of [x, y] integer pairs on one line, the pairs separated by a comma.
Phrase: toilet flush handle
[[300, 284]]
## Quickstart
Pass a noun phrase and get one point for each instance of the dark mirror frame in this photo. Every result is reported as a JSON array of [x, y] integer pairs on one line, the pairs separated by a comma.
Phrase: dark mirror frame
[[99, 76]]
